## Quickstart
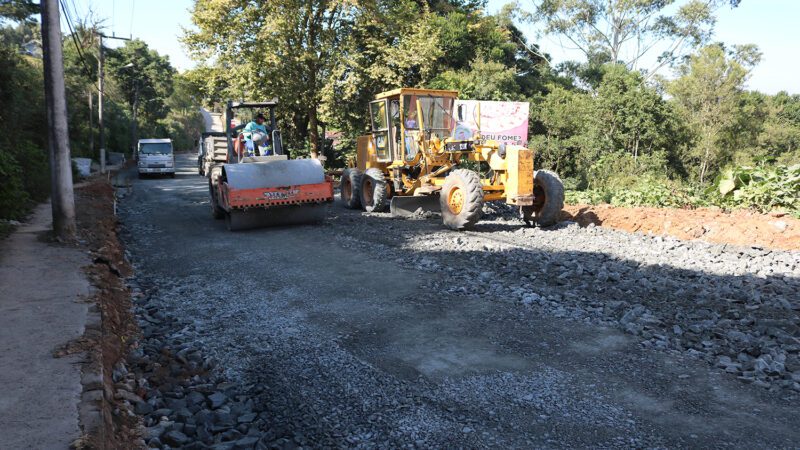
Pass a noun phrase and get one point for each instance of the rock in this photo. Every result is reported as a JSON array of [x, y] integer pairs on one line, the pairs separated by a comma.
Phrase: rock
[[724, 361], [143, 408], [156, 431], [467, 430], [225, 446], [119, 372], [531, 298], [175, 439], [129, 396], [761, 365], [246, 442], [779, 225], [247, 418], [195, 398], [217, 399]]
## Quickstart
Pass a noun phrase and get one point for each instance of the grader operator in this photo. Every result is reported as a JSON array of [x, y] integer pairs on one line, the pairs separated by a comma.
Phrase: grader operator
[[412, 160]]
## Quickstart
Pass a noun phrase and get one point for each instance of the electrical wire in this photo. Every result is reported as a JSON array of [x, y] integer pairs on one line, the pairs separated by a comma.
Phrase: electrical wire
[[75, 10], [81, 56]]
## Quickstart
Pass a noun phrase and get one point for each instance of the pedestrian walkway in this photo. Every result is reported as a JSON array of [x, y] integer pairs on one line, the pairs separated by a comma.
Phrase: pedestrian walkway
[[41, 285]]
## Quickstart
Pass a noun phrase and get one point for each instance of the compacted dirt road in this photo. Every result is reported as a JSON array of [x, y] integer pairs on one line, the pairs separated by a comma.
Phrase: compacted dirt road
[[372, 331]]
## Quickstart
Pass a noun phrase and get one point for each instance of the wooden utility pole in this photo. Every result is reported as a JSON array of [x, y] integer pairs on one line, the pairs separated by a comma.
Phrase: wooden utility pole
[[91, 124], [100, 85], [62, 198], [100, 127]]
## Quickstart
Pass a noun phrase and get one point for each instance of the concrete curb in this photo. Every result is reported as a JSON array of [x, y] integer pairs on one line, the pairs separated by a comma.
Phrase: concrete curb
[[94, 412]]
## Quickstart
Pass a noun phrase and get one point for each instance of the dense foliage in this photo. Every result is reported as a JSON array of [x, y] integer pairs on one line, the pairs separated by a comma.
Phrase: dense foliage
[[145, 98]]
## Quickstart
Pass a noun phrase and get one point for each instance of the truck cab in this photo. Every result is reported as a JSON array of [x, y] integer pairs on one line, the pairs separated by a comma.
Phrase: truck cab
[[155, 156]]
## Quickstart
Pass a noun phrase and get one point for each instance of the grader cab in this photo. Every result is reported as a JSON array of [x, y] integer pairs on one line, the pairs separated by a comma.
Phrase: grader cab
[[418, 156]]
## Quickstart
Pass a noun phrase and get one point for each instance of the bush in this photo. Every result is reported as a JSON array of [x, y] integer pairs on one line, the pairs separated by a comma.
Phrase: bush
[[35, 166], [14, 201], [761, 188], [646, 192]]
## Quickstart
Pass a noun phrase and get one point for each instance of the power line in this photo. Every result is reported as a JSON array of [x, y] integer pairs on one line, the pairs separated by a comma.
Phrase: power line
[[68, 19], [75, 10]]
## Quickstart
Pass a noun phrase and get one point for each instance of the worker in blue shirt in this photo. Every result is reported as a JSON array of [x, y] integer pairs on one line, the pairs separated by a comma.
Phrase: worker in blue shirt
[[256, 135]]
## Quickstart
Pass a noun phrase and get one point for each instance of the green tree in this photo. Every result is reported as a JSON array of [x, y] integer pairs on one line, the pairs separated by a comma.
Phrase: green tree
[[145, 80], [277, 48], [184, 123], [708, 92], [622, 130], [627, 30], [18, 10], [390, 45], [562, 139], [779, 138]]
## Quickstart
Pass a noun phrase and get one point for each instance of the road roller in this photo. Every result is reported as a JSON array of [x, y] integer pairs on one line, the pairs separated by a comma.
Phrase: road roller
[[258, 185]]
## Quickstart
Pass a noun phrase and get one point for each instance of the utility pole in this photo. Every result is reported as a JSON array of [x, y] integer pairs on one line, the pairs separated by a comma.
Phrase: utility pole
[[62, 197], [91, 123], [135, 123], [100, 86]]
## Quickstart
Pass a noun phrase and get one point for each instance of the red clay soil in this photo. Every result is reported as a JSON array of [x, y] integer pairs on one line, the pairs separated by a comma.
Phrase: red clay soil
[[97, 225], [745, 228]]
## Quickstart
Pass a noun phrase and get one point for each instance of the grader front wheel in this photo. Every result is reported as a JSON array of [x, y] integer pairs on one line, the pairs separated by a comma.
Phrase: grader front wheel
[[461, 199], [548, 192]]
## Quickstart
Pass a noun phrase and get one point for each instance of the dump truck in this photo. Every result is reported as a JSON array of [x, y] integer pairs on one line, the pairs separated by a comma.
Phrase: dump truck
[[412, 161], [213, 151], [263, 187]]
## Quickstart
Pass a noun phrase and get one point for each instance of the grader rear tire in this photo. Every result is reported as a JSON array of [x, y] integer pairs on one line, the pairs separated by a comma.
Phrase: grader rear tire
[[374, 193], [548, 192], [351, 188], [461, 199]]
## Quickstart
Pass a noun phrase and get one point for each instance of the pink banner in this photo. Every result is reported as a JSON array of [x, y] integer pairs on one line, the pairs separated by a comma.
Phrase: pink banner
[[505, 122]]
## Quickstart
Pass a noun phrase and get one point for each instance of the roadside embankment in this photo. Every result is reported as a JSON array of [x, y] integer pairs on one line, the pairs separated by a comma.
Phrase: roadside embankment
[[107, 417], [744, 228]]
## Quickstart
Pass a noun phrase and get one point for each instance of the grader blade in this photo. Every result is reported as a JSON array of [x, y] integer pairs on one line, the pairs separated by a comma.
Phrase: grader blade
[[408, 206]]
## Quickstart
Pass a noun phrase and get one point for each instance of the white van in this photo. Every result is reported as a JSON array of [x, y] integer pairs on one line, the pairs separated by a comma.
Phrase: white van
[[156, 157]]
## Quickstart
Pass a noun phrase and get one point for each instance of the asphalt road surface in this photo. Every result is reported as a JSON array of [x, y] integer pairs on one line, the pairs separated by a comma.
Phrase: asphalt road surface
[[372, 331]]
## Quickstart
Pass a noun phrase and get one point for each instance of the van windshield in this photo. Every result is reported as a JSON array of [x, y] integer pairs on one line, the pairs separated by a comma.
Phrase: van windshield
[[156, 148]]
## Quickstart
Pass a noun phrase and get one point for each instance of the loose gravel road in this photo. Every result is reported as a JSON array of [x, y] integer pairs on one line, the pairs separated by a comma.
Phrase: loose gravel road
[[368, 331]]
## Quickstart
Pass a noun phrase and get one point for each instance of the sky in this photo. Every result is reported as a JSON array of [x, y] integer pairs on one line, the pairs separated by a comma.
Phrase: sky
[[770, 24]]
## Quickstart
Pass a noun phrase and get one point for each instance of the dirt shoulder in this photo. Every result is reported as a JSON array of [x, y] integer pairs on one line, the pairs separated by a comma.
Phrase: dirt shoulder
[[743, 228], [97, 223]]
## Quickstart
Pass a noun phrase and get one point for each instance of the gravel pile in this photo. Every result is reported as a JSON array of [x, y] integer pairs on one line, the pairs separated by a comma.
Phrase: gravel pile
[[736, 307], [184, 402]]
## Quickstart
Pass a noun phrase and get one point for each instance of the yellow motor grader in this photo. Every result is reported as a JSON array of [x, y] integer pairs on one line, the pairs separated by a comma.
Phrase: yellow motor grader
[[412, 161]]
